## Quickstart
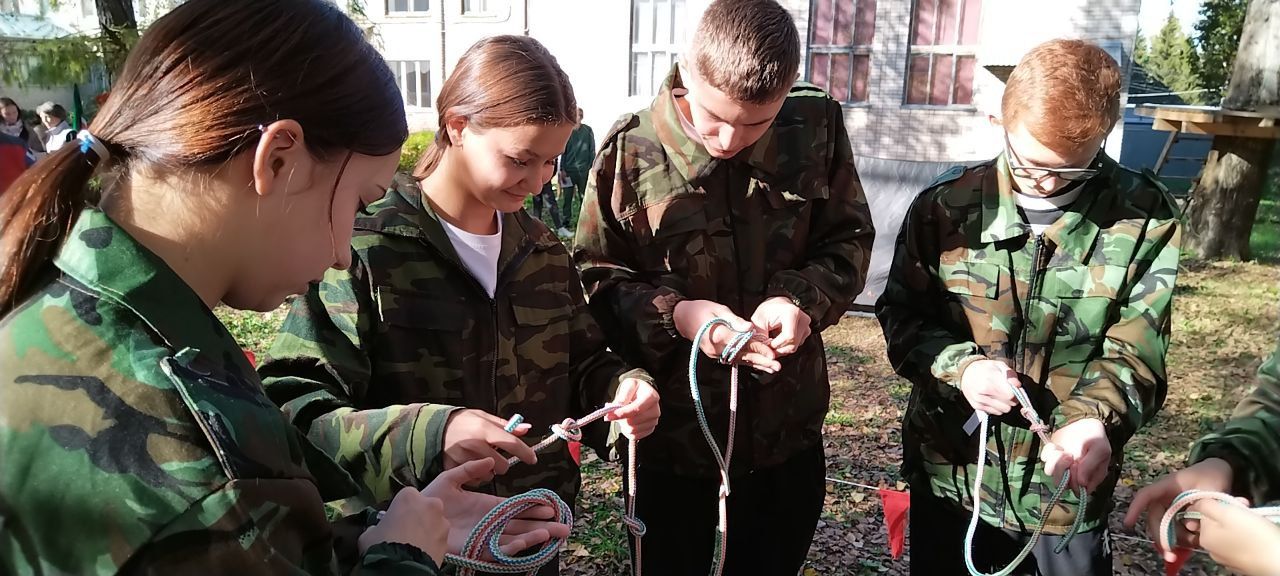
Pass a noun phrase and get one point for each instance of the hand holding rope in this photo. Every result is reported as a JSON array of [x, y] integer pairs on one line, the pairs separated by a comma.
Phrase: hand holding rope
[[1041, 429]]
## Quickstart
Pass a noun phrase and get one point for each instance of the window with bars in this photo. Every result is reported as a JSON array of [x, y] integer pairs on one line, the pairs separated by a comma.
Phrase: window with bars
[[840, 36], [414, 79], [407, 6], [657, 36], [944, 38], [475, 7]]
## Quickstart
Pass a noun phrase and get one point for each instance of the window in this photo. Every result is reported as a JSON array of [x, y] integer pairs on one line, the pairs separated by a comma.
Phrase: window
[[407, 6], [414, 79], [657, 35], [475, 7], [940, 68], [10, 6], [87, 8], [840, 38]]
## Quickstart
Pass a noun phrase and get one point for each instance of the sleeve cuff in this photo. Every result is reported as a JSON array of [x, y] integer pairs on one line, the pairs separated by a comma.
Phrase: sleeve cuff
[[1241, 470], [1077, 408], [384, 555], [963, 365], [426, 443], [667, 308]]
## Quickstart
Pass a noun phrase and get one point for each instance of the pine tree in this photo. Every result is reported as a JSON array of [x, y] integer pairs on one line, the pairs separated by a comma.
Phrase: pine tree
[[1171, 59]]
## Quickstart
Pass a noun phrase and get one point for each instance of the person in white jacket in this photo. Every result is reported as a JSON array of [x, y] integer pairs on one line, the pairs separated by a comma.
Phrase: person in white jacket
[[54, 118]]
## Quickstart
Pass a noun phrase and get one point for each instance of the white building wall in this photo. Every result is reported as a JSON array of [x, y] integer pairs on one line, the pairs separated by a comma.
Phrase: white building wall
[[591, 41], [886, 128]]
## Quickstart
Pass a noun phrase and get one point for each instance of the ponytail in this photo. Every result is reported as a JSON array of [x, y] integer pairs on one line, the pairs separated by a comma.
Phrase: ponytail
[[36, 214], [433, 155]]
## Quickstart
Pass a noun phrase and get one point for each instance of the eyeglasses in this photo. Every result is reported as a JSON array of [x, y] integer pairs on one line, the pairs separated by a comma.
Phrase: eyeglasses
[[1038, 173]]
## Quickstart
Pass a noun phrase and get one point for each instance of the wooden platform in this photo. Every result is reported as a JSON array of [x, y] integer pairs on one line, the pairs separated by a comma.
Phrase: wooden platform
[[1211, 120]]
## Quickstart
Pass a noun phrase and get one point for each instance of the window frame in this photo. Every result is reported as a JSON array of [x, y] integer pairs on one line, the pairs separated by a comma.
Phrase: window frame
[[853, 49], [410, 12], [955, 50], [670, 50], [400, 69]]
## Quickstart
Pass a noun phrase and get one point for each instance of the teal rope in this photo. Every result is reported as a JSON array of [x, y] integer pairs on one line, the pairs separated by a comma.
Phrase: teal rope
[[1039, 427], [488, 532], [1168, 524], [727, 356]]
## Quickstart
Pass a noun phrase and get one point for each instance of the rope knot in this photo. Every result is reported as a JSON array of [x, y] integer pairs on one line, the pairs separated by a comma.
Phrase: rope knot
[[635, 526], [567, 430], [735, 347]]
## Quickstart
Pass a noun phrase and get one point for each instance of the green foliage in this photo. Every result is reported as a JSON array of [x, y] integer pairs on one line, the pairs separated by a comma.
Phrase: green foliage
[[54, 62], [1264, 242], [1217, 38], [1141, 48], [69, 59], [1171, 59], [413, 149]]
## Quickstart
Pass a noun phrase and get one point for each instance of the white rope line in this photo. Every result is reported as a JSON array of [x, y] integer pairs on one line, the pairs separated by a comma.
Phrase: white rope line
[[848, 483], [1111, 533]]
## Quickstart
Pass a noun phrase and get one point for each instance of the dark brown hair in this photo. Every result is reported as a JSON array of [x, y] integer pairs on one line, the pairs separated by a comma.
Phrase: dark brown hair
[[192, 95], [500, 82], [1066, 92], [748, 49]]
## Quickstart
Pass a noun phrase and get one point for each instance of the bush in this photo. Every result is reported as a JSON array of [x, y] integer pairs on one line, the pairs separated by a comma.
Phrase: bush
[[413, 149]]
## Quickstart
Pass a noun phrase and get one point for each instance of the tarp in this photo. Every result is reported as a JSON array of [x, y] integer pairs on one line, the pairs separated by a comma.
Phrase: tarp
[[891, 186]]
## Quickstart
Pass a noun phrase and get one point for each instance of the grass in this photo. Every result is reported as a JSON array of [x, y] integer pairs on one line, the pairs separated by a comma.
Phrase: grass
[[1264, 241], [1224, 321]]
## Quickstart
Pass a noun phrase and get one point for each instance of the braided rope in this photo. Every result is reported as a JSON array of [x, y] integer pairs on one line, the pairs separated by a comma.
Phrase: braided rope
[[1041, 429], [727, 356], [488, 533], [1178, 511], [570, 430]]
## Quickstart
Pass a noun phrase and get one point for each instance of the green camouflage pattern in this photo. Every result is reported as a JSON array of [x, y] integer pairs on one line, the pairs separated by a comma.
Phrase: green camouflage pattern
[[371, 362], [136, 438], [1250, 440], [579, 151], [1080, 312], [662, 221]]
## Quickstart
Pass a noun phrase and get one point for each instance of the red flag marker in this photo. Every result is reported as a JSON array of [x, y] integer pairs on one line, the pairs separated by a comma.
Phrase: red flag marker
[[575, 450], [1172, 568], [895, 505], [253, 360]]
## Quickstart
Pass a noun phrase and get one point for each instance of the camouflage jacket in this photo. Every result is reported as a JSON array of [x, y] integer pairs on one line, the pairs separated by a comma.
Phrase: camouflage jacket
[[371, 361], [580, 150], [1081, 312], [136, 438], [662, 222], [1250, 440]]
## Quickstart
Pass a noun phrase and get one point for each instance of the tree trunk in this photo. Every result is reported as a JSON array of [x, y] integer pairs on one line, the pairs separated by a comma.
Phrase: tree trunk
[[119, 31], [1224, 204]]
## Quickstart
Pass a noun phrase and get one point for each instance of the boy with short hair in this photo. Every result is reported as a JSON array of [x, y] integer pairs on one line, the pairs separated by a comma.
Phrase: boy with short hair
[[733, 195], [1050, 269]]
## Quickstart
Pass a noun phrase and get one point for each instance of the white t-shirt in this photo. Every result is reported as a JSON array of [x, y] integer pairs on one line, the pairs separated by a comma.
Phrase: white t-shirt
[[479, 253]]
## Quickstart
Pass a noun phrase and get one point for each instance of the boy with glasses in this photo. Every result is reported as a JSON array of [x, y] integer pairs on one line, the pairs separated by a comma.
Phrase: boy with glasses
[[1049, 269]]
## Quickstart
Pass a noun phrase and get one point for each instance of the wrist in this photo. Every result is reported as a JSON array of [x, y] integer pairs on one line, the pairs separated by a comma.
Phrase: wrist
[[964, 365]]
